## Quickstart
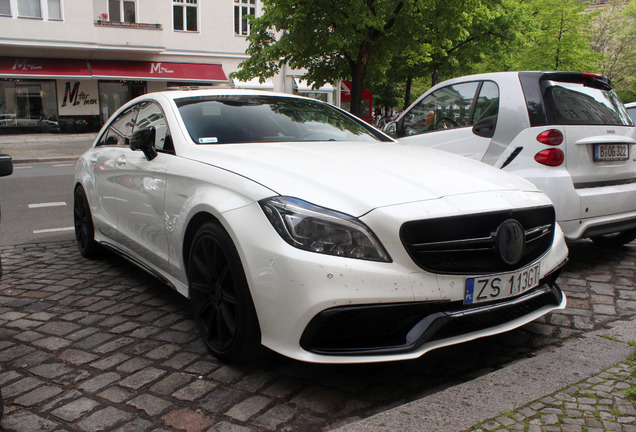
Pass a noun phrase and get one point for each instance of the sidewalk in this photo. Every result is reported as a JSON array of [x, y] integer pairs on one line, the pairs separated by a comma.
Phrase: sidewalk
[[580, 386], [31, 148], [98, 346]]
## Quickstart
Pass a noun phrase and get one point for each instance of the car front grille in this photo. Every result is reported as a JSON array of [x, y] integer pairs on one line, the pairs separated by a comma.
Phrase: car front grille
[[404, 327], [467, 244]]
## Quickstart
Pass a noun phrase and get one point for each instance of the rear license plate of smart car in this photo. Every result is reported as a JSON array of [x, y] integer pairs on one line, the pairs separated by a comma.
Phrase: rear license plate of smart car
[[489, 288], [611, 152]]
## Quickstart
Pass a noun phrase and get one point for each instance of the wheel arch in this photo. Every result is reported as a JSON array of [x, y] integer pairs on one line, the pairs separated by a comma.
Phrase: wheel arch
[[193, 225]]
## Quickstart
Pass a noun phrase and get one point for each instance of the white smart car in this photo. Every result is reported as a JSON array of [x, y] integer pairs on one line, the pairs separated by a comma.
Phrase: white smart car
[[291, 224], [567, 132]]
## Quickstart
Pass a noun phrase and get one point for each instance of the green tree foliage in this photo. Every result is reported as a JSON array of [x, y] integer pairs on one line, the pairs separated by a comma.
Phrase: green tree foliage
[[453, 36], [393, 45], [330, 39], [614, 39], [379, 42], [554, 35]]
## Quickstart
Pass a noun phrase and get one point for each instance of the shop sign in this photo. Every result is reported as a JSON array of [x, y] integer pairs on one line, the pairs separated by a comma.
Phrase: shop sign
[[77, 97], [157, 68]]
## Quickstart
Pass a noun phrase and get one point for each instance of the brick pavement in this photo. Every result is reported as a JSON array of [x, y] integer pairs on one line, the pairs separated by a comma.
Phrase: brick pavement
[[101, 346], [603, 402]]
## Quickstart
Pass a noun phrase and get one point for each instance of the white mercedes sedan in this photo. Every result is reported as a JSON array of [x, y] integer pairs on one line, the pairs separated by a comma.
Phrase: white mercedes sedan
[[292, 225]]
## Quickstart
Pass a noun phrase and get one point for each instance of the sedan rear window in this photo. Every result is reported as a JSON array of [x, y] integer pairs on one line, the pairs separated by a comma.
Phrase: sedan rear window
[[255, 118]]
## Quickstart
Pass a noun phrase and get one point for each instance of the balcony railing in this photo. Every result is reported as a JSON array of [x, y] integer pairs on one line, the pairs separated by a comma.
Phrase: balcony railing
[[104, 23]]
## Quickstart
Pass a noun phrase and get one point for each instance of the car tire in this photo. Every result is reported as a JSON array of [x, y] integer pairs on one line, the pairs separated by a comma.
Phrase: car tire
[[615, 239], [221, 302], [84, 229]]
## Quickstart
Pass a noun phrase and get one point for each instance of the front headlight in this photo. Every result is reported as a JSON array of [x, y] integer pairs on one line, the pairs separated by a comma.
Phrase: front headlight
[[316, 229]]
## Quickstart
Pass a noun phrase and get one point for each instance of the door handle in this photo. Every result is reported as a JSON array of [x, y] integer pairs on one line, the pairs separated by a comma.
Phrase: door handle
[[121, 160]]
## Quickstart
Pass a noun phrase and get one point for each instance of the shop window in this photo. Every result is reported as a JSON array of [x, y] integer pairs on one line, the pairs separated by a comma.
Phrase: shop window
[[243, 8], [29, 9], [28, 106], [121, 11], [185, 14], [113, 94]]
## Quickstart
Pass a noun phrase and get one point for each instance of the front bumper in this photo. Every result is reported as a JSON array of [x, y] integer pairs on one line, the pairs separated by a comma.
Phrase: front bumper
[[294, 289], [402, 328]]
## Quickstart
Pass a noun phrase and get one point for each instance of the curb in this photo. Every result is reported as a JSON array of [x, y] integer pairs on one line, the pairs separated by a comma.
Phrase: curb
[[463, 406]]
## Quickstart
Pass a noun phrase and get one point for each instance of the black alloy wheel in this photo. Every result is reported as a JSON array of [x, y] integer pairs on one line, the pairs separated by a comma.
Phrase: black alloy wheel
[[84, 229], [220, 297]]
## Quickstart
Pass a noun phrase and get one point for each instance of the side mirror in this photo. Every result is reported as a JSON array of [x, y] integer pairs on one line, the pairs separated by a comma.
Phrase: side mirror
[[391, 130], [144, 140], [6, 165], [485, 127]]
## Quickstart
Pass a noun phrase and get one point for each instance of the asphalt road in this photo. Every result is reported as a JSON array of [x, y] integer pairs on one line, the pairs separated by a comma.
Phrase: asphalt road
[[37, 203]]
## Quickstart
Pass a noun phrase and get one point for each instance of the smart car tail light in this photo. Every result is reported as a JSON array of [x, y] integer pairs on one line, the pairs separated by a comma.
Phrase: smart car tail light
[[550, 137], [550, 157], [316, 229]]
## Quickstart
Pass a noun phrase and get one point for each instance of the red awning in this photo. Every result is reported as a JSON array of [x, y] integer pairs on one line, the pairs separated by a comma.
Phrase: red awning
[[11, 67], [161, 71]]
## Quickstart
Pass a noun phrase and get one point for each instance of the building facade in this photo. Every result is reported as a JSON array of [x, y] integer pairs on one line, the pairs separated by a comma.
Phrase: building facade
[[67, 65]]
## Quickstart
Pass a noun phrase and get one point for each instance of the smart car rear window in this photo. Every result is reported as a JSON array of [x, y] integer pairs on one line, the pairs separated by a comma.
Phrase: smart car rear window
[[577, 104], [571, 98], [253, 118]]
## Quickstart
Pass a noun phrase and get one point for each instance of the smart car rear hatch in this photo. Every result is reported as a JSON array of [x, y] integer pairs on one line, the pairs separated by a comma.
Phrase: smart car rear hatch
[[599, 138]]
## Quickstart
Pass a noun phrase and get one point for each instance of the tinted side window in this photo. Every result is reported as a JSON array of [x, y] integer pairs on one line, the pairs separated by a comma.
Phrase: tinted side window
[[446, 108], [150, 114], [120, 130], [487, 103]]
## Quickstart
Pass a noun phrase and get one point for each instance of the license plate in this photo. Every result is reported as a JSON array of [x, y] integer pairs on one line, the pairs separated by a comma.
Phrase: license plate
[[611, 152], [489, 288]]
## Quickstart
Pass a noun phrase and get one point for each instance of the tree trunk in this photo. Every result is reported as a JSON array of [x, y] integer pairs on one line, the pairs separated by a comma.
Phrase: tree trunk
[[357, 79], [435, 77], [407, 92]]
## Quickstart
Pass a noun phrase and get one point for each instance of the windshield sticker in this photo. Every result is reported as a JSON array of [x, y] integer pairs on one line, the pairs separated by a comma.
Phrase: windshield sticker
[[208, 140]]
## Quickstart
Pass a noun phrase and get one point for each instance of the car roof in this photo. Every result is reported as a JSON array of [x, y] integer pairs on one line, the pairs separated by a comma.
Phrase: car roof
[[186, 93]]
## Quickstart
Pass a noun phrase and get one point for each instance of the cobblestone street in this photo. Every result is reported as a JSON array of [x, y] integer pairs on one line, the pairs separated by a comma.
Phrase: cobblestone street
[[101, 346]]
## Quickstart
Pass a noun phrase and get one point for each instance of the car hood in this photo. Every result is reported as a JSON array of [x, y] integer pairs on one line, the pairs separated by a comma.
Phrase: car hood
[[356, 177]]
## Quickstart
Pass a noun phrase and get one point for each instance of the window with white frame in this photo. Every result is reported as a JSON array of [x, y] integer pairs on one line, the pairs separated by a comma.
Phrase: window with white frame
[[5, 8], [54, 9], [29, 9], [121, 11], [185, 15], [243, 8], [41, 9]]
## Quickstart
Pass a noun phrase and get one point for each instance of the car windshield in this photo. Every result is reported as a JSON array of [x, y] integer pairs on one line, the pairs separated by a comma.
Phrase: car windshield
[[255, 119], [576, 104]]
